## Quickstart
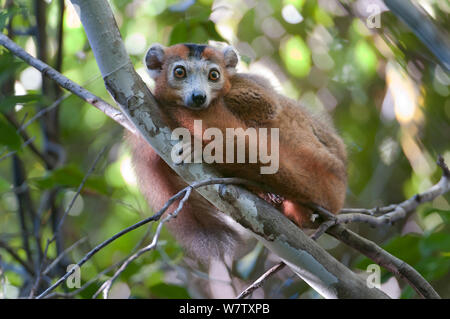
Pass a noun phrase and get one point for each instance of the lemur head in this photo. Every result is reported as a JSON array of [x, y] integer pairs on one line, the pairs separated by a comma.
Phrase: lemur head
[[190, 75]]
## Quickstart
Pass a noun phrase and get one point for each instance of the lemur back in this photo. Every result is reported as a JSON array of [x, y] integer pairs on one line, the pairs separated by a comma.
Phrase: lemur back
[[199, 82]]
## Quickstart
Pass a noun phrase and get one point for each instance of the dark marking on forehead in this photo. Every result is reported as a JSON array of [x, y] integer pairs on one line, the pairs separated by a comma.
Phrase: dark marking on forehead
[[196, 50]]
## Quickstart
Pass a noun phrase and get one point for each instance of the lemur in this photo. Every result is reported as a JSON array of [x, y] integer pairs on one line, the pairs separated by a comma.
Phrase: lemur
[[200, 82]]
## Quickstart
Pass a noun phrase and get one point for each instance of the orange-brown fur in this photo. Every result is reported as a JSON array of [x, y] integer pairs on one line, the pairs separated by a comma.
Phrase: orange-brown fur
[[198, 222], [312, 157]]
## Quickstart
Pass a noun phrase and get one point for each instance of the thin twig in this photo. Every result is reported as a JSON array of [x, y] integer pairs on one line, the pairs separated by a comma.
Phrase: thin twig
[[330, 221], [26, 143], [52, 106], [155, 217], [187, 192], [323, 228], [30, 145], [86, 285], [371, 211], [44, 111], [261, 280], [80, 187], [16, 256], [65, 252], [108, 269], [394, 212], [389, 214], [107, 285], [68, 84], [61, 221]]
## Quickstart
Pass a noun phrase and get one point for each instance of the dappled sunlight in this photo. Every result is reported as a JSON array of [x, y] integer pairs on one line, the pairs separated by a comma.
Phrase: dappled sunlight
[[296, 56], [404, 100], [291, 14], [77, 204], [415, 155], [72, 20], [404, 93], [136, 43], [127, 171]]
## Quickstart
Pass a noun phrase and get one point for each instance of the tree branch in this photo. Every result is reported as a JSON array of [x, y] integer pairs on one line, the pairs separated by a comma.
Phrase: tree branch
[[389, 214], [261, 280], [16, 256], [384, 259], [107, 285], [155, 217], [319, 269], [66, 83], [420, 23], [45, 159], [392, 213]]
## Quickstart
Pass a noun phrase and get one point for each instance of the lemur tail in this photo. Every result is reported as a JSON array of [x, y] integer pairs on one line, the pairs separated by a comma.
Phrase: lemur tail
[[199, 227]]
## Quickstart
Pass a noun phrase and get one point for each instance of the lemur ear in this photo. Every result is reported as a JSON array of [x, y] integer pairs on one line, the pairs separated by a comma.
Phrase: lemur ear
[[154, 59], [231, 58]]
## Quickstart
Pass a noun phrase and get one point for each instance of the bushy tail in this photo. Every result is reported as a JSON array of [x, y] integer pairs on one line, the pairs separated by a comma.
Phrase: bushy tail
[[199, 227]]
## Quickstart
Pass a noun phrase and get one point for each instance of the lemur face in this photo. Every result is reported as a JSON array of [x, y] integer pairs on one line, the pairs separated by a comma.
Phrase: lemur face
[[190, 75]]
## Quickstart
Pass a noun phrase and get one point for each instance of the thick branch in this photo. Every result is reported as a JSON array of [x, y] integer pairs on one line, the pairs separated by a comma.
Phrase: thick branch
[[421, 24], [391, 213]]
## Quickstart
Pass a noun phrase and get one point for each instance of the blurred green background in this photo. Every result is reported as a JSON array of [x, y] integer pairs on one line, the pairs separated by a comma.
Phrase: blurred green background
[[387, 94]]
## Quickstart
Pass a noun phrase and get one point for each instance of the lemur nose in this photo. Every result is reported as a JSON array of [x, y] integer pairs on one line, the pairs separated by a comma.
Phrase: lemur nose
[[198, 97]]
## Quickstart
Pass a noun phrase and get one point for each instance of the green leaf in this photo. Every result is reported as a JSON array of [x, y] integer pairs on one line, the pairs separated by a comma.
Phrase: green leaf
[[210, 28], [3, 19], [155, 278], [179, 33], [405, 247], [9, 65], [296, 56], [169, 291], [8, 103], [435, 242], [9, 136], [5, 15], [4, 185], [445, 214], [246, 265], [70, 176], [248, 29], [434, 267]]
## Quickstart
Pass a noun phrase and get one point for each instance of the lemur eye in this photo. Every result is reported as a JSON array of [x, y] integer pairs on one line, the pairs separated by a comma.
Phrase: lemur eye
[[214, 75], [179, 72]]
